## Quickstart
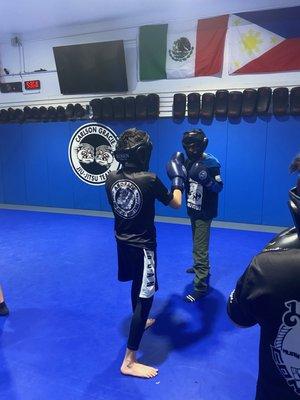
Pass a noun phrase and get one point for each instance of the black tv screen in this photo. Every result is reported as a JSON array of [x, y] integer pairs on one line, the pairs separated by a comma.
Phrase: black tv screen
[[91, 68]]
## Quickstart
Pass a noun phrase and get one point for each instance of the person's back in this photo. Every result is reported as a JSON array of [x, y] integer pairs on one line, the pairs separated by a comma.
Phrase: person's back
[[132, 194], [268, 293], [275, 304]]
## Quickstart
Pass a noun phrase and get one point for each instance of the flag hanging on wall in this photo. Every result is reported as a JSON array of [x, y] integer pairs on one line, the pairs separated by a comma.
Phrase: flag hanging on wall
[[264, 41], [182, 49]]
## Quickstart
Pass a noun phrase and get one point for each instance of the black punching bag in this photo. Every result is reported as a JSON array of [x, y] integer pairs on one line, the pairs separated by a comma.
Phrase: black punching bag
[[179, 105]]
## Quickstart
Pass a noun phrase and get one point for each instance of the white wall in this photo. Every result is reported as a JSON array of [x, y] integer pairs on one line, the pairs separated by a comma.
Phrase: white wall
[[37, 53]]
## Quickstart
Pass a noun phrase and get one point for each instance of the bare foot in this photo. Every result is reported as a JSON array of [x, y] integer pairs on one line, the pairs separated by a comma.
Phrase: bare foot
[[149, 322], [138, 370]]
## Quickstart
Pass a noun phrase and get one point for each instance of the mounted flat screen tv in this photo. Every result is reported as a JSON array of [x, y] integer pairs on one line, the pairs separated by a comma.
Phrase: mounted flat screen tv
[[91, 68]]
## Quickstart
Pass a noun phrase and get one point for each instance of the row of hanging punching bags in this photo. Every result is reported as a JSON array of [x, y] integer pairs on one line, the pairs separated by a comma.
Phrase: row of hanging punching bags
[[39, 114], [221, 104], [131, 108], [107, 108], [235, 104]]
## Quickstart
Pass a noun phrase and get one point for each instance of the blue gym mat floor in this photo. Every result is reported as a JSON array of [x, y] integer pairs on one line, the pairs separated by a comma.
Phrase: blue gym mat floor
[[66, 333]]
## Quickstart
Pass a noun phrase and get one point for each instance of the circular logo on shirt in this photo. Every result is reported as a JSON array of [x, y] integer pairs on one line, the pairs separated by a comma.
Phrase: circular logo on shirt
[[127, 198], [286, 349], [91, 153], [202, 175]]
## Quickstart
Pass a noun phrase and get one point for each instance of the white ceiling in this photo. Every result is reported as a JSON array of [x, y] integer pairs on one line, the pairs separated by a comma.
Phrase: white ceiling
[[21, 16]]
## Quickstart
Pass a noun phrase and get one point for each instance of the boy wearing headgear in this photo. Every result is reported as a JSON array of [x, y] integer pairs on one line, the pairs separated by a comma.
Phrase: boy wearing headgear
[[268, 294], [202, 188], [132, 192]]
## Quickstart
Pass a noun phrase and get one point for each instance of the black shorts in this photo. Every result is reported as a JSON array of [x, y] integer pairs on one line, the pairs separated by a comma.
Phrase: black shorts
[[138, 264]]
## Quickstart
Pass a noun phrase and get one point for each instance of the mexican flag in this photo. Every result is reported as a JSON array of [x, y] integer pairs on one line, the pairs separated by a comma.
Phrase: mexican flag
[[182, 49]]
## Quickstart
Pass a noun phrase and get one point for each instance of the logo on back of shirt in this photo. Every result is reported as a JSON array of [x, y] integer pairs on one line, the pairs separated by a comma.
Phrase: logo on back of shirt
[[127, 198], [91, 153], [286, 349]]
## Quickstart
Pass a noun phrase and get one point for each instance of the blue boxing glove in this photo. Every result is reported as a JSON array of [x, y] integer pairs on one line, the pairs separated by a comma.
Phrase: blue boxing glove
[[199, 173], [176, 171], [178, 157]]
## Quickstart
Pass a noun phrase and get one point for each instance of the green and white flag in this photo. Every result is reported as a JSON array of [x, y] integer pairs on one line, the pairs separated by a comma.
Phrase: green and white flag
[[182, 50]]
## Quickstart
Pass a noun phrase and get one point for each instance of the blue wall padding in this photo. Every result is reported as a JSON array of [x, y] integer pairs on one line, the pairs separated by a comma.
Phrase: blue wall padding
[[13, 164], [245, 171], [61, 179], [254, 153], [1, 181], [36, 165], [283, 142]]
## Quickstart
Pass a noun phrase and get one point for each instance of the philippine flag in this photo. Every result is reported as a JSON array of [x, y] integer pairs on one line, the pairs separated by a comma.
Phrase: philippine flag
[[264, 41]]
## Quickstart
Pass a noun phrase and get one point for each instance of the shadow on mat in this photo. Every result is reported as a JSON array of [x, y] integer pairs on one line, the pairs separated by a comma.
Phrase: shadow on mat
[[180, 324]]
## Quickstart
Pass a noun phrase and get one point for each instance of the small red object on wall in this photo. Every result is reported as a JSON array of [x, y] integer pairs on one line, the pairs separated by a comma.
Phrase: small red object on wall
[[32, 85]]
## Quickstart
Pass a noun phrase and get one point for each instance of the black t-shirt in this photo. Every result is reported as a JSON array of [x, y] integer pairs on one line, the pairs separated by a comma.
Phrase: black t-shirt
[[132, 195], [201, 202], [268, 293]]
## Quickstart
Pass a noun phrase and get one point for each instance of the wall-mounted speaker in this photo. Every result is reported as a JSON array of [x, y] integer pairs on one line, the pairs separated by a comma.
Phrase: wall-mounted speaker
[[221, 104], [263, 100], [179, 105], [234, 104], [193, 101], [207, 106]]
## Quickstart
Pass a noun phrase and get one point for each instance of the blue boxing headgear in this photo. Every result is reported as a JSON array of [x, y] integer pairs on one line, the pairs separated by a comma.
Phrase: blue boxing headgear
[[134, 149], [194, 143]]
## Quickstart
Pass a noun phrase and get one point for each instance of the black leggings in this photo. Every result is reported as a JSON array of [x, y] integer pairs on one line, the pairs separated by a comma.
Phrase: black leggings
[[141, 309]]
